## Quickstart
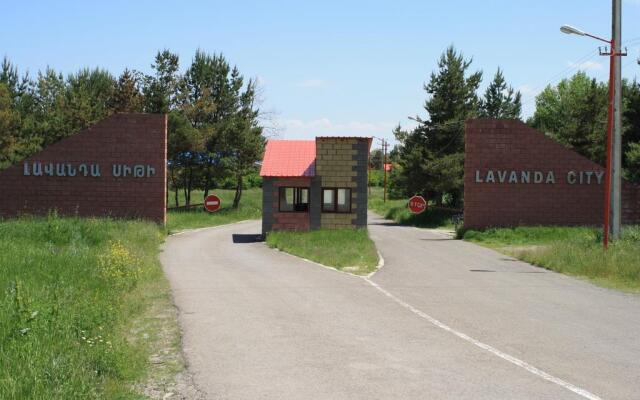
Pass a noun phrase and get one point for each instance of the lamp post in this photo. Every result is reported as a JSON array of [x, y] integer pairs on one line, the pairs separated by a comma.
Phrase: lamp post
[[613, 180]]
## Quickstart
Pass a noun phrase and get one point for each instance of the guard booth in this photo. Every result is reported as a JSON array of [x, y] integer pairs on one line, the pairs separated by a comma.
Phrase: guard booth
[[312, 184]]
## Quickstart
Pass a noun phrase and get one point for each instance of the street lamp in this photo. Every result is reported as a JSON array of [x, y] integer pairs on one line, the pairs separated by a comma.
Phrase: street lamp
[[568, 29], [572, 30], [614, 123]]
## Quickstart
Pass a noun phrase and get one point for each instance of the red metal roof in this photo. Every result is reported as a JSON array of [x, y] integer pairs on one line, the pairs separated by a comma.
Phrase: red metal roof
[[289, 158]]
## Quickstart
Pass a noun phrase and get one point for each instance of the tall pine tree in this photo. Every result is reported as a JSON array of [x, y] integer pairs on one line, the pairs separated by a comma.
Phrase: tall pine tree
[[500, 100], [127, 96], [162, 89], [222, 108], [432, 155], [10, 139]]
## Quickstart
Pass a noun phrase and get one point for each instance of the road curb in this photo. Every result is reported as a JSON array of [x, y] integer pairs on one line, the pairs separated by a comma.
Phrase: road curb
[[190, 230], [380, 263], [378, 267]]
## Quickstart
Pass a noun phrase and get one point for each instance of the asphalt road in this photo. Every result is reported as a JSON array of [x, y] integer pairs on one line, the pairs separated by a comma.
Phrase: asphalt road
[[433, 323]]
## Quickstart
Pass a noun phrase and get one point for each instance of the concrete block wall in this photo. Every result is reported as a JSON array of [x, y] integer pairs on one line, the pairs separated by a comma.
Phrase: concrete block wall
[[130, 151], [342, 163], [315, 203], [268, 199]]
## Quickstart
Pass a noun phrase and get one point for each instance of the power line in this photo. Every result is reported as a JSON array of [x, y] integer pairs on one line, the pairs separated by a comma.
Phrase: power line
[[526, 99], [633, 42]]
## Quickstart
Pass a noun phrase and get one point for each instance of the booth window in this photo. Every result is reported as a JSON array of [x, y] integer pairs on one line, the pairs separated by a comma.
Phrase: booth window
[[337, 200], [294, 199]]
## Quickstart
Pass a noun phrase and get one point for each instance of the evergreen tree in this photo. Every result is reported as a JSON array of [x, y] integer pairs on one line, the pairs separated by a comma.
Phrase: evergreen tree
[[214, 132], [432, 155], [631, 130], [222, 108], [10, 138], [20, 138], [632, 162], [127, 96], [575, 114], [51, 114], [206, 101], [500, 100], [9, 77], [89, 96], [244, 143], [184, 144], [375, 159], [161, 91]]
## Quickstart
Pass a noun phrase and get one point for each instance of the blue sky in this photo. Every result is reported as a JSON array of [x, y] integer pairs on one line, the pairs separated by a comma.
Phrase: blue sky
[[325, 67]]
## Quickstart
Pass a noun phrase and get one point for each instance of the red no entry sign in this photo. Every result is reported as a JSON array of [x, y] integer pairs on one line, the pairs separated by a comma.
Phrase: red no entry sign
[[417, 204], [212, 203]]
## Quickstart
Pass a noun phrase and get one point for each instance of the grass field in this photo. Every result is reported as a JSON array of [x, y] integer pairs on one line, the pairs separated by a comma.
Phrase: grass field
[[397, 211], [344, 249], [250, 208], [75, 296], [574, 251]]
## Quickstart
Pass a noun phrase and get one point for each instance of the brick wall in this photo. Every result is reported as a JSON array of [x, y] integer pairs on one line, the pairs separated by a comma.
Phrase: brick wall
[[630, 203], [64, 176], [495, 146], [288, 221], [342, 163]]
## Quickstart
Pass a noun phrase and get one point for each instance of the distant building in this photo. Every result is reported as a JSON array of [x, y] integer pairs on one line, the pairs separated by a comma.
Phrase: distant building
[[312, 184]]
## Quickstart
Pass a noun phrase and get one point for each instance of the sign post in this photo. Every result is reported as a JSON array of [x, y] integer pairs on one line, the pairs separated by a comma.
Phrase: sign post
[[417, 204], [212, 203]]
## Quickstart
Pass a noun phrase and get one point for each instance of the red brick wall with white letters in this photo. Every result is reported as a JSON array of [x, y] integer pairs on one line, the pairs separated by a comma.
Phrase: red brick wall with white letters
[[495, 148], [130, 151]]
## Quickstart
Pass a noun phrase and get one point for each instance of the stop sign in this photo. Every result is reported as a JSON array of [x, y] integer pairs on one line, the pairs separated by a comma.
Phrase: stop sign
[[212, 203], [417, 204]]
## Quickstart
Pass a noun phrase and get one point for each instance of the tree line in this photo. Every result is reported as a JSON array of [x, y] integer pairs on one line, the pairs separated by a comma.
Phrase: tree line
[[430, 157], [214, 132]]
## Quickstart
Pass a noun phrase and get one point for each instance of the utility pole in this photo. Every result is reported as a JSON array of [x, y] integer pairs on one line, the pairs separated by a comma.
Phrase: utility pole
[[616, 164], [613, 177], [385, 144]]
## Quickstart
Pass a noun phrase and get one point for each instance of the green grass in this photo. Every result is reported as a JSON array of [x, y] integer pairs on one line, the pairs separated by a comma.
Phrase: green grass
[[71, 291], [250, 208], [397, 211], [575, 251], [530, 236], [83, 303], [344, 249]]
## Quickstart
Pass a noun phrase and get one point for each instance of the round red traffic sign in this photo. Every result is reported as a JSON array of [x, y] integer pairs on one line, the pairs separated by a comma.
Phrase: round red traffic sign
[[417, 204], [212, 203]]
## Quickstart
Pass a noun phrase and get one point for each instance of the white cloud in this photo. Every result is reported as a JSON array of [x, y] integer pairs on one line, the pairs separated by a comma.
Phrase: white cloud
[[586, 66], [312, 83]]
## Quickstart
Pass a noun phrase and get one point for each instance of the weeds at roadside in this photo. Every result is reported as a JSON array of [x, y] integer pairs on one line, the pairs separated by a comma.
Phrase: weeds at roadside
[[575, 251], [69, 287]]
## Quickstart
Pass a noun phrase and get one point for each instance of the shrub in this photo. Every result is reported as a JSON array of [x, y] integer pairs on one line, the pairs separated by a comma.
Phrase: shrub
[[118, 265]]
